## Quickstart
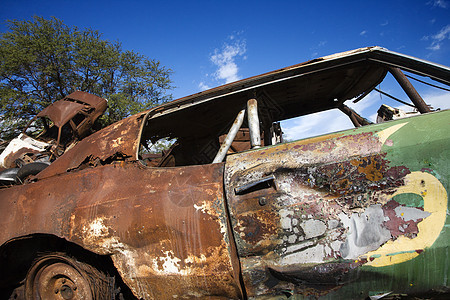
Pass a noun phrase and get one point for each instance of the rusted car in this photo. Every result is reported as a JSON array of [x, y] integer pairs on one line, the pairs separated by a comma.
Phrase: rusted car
[[48, 135], [229, 211]]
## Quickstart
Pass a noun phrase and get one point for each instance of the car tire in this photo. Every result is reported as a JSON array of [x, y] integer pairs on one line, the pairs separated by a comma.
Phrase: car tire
[[28, 170], [57, 276]]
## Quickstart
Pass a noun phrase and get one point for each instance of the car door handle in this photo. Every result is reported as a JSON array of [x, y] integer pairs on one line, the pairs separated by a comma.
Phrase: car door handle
[[256, 185]]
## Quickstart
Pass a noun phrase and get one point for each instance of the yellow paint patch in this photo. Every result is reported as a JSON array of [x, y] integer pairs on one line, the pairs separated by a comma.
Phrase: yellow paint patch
[[386, 133], [435, 202]]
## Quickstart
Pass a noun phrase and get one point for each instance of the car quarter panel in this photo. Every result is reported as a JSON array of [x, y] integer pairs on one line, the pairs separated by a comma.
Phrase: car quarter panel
[[359, 211], [165, 229]]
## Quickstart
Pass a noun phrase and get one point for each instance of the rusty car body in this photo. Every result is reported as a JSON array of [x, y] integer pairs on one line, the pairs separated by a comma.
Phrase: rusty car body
[[55, 129], [229, 212]]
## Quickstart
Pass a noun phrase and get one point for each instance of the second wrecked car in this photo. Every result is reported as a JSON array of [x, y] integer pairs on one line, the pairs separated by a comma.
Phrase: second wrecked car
[[54, 130]]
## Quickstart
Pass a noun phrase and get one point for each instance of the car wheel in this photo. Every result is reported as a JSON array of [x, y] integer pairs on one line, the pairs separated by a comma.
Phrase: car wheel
[[28, 170], [57, 276]]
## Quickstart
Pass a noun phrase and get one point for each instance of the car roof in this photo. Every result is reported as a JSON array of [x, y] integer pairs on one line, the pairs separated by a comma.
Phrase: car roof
[[313, 86], [61, 111]]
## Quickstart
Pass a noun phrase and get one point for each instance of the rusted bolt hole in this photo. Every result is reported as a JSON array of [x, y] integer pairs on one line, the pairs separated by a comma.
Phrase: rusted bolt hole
[[66, 292], [262, 201]]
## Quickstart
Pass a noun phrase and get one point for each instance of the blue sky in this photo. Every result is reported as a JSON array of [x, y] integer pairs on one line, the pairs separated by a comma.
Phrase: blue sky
[[210, 43]]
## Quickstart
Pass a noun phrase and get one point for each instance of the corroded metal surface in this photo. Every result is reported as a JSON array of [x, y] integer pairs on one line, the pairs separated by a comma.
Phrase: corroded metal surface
[[347, 215], [166, 229], [77, 111], [118, 141], [60, 112], [309, 216]]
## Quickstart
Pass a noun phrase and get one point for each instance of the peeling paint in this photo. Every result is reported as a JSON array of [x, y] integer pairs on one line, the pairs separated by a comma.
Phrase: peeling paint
[[167, 264], [365, 232], [435, 205], [313, 228], [347, 215], [162, 241], [337, 211]]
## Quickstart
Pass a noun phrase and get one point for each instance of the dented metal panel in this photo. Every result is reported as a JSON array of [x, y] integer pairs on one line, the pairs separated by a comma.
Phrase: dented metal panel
[[165, 229], [119, 141], [60, 112], [342, 207], [77, 111], [20, 145]]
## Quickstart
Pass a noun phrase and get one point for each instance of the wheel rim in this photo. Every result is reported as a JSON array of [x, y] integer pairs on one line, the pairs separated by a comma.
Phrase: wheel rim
[[56, 277]]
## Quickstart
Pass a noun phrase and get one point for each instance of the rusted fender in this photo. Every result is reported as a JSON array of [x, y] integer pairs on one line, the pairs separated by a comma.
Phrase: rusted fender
[[361, 210], [165, 229]]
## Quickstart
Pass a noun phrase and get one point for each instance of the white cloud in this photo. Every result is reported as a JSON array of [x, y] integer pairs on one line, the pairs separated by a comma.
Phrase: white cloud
[[443, 34], [384, 23], [362, 107], [438, 3], [326, 121], [439, 38], [438, 99], [203, 86], [362, 33], [315, 49], [225, 60], [315, 124], [434, 46]]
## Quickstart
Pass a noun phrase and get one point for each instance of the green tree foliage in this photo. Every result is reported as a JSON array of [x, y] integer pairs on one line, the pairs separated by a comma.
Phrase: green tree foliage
[[42, 61]]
